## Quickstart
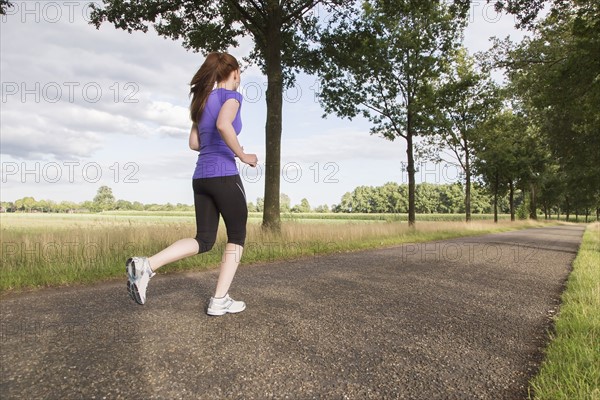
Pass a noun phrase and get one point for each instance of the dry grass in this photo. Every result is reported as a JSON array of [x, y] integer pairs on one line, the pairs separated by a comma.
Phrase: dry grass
[[47, 250]]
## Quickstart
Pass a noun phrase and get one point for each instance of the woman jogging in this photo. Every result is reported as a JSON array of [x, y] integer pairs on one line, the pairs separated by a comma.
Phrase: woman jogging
[[218, 190]]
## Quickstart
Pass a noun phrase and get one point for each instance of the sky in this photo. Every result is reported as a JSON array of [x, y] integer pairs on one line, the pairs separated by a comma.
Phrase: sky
[[82, 108]]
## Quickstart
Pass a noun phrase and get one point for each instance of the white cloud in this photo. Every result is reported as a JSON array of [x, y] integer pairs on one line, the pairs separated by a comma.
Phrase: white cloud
[[168, 115], [35, 135], [340, 145]]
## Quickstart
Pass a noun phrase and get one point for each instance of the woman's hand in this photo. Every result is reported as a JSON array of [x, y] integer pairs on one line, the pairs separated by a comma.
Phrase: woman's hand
[[250, 159]]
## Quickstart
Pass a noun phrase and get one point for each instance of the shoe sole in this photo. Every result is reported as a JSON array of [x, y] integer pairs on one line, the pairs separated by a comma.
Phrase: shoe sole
[[132, 288], [129, 278], [136, 293], [223, 312]]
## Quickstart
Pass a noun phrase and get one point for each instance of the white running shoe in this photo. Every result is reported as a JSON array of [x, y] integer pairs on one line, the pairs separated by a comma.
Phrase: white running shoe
[[138, 275], [224, 305]]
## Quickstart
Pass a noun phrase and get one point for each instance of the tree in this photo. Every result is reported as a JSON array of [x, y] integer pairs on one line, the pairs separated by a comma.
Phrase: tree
[[554, 74], [304, 206], [381, 66], [281, 30], [452, 199], [394, 197], [527, 11], [427, 198], [480, 201], [26, 204], [104, 199], [502, 155], [68, 206], [286, 202], [123, 205], [8, 206], [465, 99], [552, 190], [260, 204], [324, 208]]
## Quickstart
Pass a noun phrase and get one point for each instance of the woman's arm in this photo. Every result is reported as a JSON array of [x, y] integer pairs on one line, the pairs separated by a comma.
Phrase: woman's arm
[[194, 140], [225, 128]]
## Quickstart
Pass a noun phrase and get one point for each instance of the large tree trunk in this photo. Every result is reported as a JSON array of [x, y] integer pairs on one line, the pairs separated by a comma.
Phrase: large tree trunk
[[532, 203], [587, 212], [410, 169], [512, 200], [496, 184], [271, 212], [468, 181]]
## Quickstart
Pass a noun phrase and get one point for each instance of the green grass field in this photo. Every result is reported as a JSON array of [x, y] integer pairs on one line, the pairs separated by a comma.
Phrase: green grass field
[[571, 369], [40, 250]]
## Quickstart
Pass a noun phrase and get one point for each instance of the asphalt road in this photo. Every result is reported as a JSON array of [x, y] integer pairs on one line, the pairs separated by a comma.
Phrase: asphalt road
[[456, 319]]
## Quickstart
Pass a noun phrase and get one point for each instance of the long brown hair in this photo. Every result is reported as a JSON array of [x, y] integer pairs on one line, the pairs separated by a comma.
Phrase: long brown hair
[[216, 68]]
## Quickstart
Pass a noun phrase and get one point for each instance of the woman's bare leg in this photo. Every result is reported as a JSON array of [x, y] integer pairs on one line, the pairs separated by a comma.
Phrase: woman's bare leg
[[229, 263], [180, 249]]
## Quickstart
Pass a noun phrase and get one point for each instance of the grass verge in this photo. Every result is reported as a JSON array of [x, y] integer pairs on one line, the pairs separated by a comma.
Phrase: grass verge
[[41, 251], [571, 368]]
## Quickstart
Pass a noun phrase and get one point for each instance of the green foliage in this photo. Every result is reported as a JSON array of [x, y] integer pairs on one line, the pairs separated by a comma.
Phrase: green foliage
[[303, 207], [464, 99], [391, 198], [285, 202], [523, 209], [104, 199], [380, 64], [526, 11], [260, 204], [554, 78]]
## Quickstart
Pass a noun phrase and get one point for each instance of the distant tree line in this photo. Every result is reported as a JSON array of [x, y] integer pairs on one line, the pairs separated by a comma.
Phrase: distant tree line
[[429, 199], [388, 198], [103, 201]]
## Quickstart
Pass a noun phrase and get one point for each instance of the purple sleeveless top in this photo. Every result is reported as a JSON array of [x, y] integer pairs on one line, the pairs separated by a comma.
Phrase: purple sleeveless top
[[216, 158]]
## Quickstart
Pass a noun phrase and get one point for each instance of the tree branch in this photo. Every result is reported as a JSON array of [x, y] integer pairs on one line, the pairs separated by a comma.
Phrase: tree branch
[[386, 107], [299, 11], [258, 8], [248, 20]]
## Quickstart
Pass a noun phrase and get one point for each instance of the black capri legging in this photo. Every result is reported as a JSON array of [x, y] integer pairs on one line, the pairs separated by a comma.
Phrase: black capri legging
[[222, 195]]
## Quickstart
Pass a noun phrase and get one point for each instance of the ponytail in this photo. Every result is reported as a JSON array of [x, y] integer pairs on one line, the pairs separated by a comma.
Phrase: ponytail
[[216, 68]]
